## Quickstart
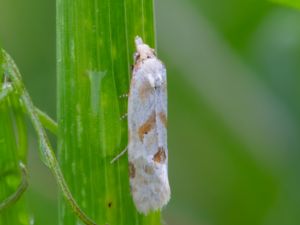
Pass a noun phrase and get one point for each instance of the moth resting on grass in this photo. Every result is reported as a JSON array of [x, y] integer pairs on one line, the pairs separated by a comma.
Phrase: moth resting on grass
[[147, 126]]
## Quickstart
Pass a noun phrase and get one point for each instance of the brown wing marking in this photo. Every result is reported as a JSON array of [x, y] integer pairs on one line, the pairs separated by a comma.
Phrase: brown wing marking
[[149, 169], [131, 170], [147, 126], [144, 90], [160, 155], [163, 119]]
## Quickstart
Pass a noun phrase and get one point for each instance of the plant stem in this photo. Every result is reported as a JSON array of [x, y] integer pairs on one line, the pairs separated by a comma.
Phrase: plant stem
[[45, 148], [13, 149], [95, 45], [46, 121], [13, 198]]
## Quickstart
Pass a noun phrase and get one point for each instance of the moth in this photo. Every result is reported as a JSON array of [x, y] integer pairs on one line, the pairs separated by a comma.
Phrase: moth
[[147, 128]]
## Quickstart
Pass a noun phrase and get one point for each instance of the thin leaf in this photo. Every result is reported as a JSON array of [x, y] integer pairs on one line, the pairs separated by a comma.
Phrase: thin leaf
[[14, 197], [46, 150], [47, 122], [13, 149], [95, 46]]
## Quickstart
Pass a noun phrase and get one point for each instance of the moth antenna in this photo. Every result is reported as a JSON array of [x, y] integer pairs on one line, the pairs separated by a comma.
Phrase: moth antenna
[[119, 155]]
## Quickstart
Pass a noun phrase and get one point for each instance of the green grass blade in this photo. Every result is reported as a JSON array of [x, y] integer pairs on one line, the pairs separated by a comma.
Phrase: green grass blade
[[95, 46], [13, 210], [13, 149], [47, 122], [14, 197], [46, 150]]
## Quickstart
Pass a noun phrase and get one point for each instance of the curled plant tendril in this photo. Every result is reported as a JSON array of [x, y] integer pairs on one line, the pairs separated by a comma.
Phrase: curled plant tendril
[[46, 150], [20, 190]]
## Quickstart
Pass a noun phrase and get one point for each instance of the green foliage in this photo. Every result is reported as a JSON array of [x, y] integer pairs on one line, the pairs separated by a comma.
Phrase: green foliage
[[234, 125], [234, 110], [46, 151], [104, 75], [13, 153], [291, 3], [95, 46]]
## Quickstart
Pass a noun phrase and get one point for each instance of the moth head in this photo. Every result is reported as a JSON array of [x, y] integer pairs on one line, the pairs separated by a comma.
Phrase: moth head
[[143, 51]]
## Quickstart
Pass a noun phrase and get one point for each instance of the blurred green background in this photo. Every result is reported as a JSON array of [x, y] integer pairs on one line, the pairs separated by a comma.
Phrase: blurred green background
[[234, 110]]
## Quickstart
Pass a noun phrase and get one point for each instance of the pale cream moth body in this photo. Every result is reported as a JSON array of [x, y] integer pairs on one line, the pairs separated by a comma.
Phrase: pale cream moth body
[[147, 127]]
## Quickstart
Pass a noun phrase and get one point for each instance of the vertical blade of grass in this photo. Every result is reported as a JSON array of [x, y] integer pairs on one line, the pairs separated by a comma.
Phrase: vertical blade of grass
[[12, 150], [46, 150], [95, 44]]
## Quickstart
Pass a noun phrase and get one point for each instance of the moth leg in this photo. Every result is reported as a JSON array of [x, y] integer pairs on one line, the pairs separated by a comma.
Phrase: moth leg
[[20, 190], [124, 116], [119, 155], [124, 96]]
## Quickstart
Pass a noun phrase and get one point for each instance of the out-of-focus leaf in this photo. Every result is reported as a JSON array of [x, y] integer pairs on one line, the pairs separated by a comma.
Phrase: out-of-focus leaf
[[229, 132], [291, 3]]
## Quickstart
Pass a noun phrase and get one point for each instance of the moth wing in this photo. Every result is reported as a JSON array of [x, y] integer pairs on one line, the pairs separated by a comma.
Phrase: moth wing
[[162, 111], [147, 149], [141, 112]]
